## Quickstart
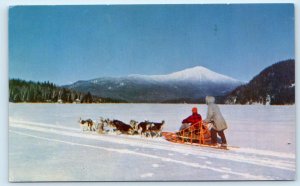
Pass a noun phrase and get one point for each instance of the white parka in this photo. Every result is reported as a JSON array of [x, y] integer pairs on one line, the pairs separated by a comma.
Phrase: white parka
[[214, 115]]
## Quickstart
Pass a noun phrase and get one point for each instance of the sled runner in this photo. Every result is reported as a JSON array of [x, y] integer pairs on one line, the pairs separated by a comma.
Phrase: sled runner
[[196, 134]]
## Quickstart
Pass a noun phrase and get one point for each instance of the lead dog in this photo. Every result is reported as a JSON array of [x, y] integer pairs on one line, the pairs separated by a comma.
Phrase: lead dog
[[87, 125]]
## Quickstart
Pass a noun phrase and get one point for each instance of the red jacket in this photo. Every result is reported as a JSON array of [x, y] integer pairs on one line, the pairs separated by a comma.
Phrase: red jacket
[[194, 118]]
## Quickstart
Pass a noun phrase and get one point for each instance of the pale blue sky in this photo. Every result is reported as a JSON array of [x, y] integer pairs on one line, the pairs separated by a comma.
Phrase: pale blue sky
[[64, 44]]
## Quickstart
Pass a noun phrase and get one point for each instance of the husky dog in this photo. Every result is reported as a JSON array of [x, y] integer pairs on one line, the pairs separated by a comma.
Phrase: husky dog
[[101, 125], [120, 127], [133, 124], [156, 128], [87, 125], [143, 128]]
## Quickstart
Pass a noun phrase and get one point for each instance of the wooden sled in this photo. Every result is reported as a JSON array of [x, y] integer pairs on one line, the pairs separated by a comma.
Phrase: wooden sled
[[197, 134]]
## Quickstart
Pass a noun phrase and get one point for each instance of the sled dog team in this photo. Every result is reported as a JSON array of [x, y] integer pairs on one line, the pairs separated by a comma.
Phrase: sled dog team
[[144, 128]]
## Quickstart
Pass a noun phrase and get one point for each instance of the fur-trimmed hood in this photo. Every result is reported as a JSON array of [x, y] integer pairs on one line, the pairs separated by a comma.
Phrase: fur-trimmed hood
[[209, 99]]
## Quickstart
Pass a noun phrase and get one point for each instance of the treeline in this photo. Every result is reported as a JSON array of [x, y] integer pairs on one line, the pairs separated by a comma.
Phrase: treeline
[[275, 85], [201, 100], [43, 92]]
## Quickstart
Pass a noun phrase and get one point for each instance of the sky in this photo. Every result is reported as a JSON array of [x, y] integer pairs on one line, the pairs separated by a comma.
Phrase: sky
[[64, 44]]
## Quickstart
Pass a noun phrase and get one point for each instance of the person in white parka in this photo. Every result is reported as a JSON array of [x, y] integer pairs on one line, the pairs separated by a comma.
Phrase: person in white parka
[[215, 121]]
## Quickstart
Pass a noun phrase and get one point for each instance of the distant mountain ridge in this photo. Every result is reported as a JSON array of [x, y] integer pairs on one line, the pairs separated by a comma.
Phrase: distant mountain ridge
[[192, 83], [275, 85]]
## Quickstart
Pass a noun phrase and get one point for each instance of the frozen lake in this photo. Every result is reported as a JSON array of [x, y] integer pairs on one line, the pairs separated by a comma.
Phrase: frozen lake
[[45, 144]]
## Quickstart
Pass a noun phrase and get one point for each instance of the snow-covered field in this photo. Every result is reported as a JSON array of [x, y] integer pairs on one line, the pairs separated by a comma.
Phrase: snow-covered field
[[46, 144]]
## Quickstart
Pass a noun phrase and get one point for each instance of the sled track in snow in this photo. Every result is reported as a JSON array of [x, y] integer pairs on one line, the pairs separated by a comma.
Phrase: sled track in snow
[[283, 161]]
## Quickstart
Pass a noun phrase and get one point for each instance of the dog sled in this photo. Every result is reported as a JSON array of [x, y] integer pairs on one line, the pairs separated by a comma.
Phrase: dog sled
[[197, 134]]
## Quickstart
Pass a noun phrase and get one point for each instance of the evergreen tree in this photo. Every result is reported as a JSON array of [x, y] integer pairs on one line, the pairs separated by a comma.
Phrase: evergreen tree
[[29, 91]]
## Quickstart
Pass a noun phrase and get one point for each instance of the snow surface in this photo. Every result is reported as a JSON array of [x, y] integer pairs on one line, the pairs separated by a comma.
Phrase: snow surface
[[46, 144]]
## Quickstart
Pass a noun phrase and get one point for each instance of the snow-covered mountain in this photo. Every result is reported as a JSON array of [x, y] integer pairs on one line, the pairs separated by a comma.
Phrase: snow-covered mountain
[[186, 85], [196, 74]]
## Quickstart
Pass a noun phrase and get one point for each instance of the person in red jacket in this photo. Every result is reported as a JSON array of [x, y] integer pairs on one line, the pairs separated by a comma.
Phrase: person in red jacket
[[194, 118]]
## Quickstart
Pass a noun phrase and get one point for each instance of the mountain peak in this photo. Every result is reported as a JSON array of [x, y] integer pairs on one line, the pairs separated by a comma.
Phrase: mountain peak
[[197, 68], [193, 74]]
